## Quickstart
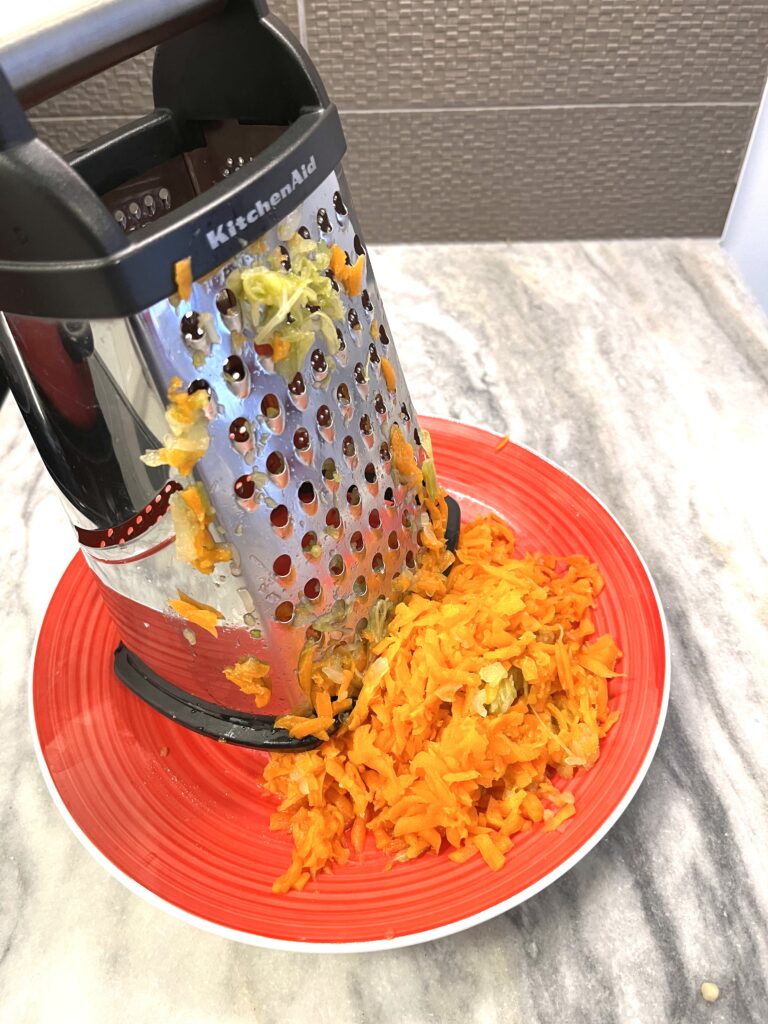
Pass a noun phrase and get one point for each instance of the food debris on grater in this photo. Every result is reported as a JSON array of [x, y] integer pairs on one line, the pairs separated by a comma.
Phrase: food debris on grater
[[304, 490]]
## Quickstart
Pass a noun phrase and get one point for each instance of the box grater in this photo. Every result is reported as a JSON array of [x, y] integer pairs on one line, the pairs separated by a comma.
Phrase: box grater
[[123, 275]]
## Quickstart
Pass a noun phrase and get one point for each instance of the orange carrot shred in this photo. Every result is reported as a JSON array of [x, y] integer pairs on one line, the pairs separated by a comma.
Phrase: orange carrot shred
[[502, 443], [486, 694], [182, 276]]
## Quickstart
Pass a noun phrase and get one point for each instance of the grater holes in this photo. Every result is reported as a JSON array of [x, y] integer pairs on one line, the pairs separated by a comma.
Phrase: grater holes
[[307, 497], [284, 258], [385, 454], [245, 492], [371, 479], [323, 221], [416, 437], [365, 300], [377, 563], [389, 498], [304, 232], [280, 520], [324, 418], [330, 475], [360, 588], [200, 385], [336, 566], [277, 469], [341, 351], [353, 499], [333, 525], [407, 520], [240, 435], [366, 429], [358, 246], [284, 612], [191, 328], [405, 413], [373, 353], [282, 567], [361, 379], [313, 589], [273, 413], [237, 376], [380, 408], [312, 635], [229, 310], [339, 208], [310, 545], [297, 389], [344, 399], [383, 336], [195, 337], [302, 442], [393, 541], [332, 279], [357, 544], [410, 560], [265, 354], [374, 519], [349, 450], [319, 364]]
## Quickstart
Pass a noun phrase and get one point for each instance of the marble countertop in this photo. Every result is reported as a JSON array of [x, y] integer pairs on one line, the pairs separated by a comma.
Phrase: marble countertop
[[641, 367]]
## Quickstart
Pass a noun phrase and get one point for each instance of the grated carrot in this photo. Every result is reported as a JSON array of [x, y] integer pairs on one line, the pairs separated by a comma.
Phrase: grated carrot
[[252, 676], [200, 614], [350, 276], [388, 372], [430, 756], [502, 443], [182, 277]]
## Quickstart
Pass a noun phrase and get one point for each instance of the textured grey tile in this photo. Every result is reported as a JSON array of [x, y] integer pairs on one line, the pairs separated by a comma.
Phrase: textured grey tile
[[524, 174], [404, 53], [124, 89], [595, 172], [127, 88]]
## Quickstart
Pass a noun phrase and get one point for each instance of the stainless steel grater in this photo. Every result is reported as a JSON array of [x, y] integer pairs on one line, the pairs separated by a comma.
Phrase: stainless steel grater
[[239, 161]]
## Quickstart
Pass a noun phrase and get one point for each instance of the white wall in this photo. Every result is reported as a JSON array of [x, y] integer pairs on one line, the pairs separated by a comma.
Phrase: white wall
[[745, 235]]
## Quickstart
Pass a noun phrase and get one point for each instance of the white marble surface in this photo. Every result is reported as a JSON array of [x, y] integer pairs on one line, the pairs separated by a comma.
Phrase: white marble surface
[[642, 368]]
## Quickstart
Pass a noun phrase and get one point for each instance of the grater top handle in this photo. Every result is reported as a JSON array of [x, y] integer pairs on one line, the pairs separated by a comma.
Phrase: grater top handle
[[48, 47], [63, 255]]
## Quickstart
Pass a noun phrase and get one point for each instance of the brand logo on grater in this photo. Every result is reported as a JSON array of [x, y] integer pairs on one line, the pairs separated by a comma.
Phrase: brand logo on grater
[[230, 229]]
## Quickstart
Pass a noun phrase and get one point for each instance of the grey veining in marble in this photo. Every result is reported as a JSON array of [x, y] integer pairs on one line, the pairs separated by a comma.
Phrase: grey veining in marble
[[643, 369]]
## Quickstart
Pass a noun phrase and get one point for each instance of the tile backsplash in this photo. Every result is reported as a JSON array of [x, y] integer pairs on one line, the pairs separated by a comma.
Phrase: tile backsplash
[[486, 119]]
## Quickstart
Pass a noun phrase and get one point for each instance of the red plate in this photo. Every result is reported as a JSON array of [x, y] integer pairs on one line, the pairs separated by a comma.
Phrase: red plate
[[189, 830]]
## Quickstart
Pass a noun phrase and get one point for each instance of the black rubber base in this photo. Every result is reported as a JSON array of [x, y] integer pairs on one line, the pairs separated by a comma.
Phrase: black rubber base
[[223, 724], [226, 724]]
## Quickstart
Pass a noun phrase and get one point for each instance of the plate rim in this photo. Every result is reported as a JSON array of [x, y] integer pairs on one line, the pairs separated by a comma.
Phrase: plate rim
[[413, 938]]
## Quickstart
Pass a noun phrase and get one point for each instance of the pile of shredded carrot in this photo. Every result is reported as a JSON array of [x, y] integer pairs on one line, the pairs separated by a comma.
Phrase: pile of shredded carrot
[[487, 686]]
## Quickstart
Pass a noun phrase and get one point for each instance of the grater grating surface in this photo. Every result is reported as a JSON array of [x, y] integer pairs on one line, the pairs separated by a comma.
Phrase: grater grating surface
[[327, 525]]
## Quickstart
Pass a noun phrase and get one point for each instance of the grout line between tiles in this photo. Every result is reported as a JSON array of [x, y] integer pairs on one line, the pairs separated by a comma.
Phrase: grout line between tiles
[[367, 111], [40, 118]]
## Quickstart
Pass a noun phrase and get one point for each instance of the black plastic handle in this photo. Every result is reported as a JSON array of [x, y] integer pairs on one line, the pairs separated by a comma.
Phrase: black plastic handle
[[63, 256]]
